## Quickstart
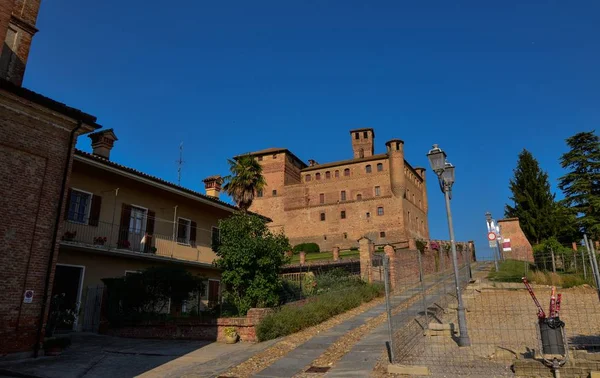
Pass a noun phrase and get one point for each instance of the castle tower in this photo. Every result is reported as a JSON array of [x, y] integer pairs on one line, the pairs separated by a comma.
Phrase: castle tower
[[17, 28], [395, 151], [363, 141]]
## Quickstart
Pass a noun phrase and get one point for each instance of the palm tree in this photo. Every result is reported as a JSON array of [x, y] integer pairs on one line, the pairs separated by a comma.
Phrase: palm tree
[[245, 181]]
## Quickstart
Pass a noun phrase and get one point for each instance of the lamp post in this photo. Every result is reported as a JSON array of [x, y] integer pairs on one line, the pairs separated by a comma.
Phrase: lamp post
[[491, 228], [445, 173]]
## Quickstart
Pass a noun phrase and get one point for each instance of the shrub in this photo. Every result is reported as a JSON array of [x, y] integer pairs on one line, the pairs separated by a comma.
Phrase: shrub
[[510, 271], [307, 247], [290, 319]]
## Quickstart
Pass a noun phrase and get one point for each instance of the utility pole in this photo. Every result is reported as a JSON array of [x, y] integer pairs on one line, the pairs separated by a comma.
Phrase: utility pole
[[179, 163]]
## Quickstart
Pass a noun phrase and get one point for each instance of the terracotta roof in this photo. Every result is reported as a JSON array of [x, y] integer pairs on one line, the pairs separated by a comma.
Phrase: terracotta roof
[[158, 180], [49, 103]]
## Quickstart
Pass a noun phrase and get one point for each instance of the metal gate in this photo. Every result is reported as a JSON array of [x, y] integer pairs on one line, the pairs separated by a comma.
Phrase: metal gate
[[92, 309]]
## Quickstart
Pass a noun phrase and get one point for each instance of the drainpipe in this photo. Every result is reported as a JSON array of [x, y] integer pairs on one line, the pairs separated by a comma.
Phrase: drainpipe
[[63, 190]]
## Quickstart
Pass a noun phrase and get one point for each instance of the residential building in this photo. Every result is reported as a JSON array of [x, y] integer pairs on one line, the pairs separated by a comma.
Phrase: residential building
[[380, 196], [119, 221], [37, 138]]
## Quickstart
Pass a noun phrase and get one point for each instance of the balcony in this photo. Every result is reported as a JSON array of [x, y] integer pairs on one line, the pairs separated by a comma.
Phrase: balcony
[[113, 237]]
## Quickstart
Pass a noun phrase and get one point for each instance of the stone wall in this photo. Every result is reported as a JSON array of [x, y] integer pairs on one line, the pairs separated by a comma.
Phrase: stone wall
[[195, 329]]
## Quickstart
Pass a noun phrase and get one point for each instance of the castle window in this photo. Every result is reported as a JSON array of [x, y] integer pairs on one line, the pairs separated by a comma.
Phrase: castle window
[[322, 198], [358, 197], [398, 146], [420, 205], [368, 215], [356, 136], [343, 195], [380, 210], [365, 134], [337, 174], [274, 192], [318, 176], [368, 168], [307, 178], [260, 158], [274, 156], [377, 191], [347, 172], [327, 175], [322, 216], [259, 193], [414, 198], [345, 235], [379, 167], [343, 214], [361, 153], [324, 237], [382, 234]]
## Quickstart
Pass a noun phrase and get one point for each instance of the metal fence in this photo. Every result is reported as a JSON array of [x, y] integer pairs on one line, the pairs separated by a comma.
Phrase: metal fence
[[505, 335]]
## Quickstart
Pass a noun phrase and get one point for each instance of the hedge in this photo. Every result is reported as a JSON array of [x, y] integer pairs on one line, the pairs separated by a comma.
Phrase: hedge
[[291, 319], [307, 247]]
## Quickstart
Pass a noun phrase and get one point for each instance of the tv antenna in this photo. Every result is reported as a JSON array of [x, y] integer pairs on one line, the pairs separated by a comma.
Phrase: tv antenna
[[179, 163]]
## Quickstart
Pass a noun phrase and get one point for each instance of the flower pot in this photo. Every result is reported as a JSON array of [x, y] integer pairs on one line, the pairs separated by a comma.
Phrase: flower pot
[[231, 339]]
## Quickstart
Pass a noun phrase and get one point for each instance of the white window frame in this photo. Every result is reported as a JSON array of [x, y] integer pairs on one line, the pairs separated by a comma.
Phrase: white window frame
[[189, 229], [382, 211], [79, 292], [377, 191], [88, 210], [144, 224], [212, 233]]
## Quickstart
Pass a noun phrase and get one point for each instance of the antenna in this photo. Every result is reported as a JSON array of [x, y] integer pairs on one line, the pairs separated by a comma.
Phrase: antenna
[[179, 163]]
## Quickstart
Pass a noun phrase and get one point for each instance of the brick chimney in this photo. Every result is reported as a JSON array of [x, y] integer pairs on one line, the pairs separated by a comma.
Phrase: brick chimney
[[102, 142], [212, 186]]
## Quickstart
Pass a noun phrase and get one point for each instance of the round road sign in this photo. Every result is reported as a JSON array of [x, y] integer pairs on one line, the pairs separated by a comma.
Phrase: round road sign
[[491, 236]]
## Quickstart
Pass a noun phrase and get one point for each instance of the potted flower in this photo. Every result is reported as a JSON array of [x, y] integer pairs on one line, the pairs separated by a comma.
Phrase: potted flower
[[69, 235], [231, 335], [100, 240], [59, 315], [53, 346]]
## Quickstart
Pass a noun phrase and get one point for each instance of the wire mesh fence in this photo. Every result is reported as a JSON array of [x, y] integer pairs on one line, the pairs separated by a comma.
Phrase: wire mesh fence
[[506, 337]]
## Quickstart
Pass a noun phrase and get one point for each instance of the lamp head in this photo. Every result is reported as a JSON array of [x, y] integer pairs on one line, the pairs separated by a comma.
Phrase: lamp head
[[437, 159], [448, 174]]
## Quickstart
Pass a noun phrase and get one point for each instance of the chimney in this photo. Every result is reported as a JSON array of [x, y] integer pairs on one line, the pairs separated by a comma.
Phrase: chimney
[[212, 186], [102, 142], [312, 163]]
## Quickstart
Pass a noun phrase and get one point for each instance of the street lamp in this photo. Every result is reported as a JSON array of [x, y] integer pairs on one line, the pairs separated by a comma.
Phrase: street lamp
[[445, 172]]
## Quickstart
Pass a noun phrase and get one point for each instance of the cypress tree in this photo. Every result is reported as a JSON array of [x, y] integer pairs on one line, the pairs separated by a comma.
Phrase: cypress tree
[[533, 202]]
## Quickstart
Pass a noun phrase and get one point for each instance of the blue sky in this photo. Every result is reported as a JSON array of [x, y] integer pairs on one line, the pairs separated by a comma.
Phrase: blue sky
[[483, 80]]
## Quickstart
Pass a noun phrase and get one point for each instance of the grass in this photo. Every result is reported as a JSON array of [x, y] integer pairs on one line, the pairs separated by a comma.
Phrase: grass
[[513, 271], [291, 319], [325, 256]]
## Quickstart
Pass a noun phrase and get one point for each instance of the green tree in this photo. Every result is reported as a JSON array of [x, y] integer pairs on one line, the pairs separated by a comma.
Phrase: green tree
[[250, 257], [565, 226], [533, 201], [245, 180], [581, 185]]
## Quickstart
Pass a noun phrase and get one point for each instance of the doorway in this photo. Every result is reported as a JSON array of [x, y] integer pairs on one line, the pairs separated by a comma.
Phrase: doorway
[[137, 227], [68, 280], [213, 293]]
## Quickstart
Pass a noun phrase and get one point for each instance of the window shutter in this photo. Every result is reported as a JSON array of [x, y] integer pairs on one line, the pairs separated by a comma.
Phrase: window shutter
[[124, 226], [193, 233], [149, 230], [67, 204], [95, 210]]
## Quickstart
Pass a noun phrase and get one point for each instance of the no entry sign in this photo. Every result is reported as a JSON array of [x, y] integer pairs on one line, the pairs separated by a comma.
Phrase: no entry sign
[[491, 236]]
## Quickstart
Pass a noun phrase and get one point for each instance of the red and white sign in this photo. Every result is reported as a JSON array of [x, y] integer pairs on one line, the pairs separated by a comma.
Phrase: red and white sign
[[506, 245], [491, 236]]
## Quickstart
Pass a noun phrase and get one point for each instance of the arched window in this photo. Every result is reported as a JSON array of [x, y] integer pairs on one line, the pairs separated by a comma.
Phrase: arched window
[[347, 172], [318, 176], [307, 178], [368, 168], [361, 153], [358, 197], [327, 175], [337, 173], [379, 167]]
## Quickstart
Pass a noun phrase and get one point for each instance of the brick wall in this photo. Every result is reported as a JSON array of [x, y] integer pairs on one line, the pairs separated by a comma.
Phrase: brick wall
[[196, 329], [34, 147], [521, 249]]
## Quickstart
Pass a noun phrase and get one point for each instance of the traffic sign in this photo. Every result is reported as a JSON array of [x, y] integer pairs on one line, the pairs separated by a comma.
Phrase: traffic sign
[[493, 244], [492, 236]]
